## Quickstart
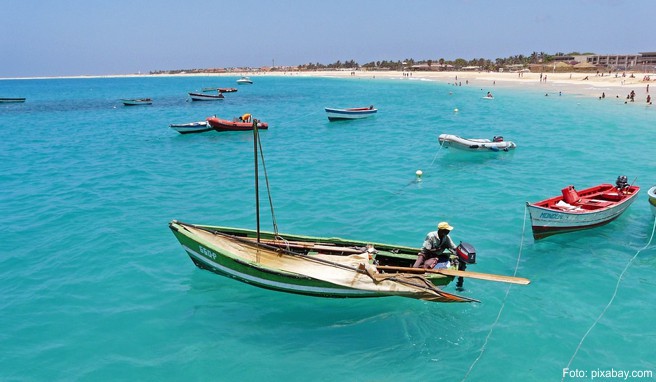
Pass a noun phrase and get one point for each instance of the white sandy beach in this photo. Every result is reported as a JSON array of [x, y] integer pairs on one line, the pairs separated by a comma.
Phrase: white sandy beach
[[568, 83], [588, 84], [612, 86]]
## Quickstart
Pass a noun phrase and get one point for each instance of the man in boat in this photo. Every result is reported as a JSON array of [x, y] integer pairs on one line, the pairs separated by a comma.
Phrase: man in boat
[[435, 244], [245, 118]]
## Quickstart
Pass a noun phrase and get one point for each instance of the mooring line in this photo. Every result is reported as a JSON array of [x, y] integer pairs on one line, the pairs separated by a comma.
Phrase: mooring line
[[438, 151], [417, 180], [617, 286], [503, 304]]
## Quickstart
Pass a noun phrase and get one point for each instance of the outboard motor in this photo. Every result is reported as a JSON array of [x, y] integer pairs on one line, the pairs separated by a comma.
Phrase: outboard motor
[[466, 255], [622, 182]]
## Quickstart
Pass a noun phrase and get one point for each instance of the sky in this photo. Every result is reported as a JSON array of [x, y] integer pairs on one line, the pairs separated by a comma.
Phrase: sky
[[93, 37]]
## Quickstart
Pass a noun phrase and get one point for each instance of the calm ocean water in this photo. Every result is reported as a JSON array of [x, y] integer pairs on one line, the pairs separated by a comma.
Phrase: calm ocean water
[[95, 287]]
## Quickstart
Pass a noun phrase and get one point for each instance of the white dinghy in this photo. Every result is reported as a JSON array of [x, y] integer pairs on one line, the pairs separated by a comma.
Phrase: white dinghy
[[475, 144]]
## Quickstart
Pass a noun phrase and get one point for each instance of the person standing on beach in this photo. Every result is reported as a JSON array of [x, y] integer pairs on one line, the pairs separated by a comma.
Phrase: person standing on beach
[[435, 244]]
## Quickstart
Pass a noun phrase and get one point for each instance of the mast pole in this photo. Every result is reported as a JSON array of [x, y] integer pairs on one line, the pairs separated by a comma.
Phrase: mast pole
[[257, 187]]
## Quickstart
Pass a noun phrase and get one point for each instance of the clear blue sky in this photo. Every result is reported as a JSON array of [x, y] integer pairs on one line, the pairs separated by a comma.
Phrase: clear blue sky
[[92, 37]]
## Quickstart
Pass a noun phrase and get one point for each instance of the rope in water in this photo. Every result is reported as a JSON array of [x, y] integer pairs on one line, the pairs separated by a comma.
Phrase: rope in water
[[414, 181], [503, 304], [438, 151], [617, 286]]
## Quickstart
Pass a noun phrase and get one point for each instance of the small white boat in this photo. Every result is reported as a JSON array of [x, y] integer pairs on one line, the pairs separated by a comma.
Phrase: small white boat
[[193, 127], [206, 97], [352, 113], [652, 199], [475, 144], [244, 81]]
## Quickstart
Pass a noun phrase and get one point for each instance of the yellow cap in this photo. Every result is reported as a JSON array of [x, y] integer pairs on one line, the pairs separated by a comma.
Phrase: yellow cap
[[444, 225]]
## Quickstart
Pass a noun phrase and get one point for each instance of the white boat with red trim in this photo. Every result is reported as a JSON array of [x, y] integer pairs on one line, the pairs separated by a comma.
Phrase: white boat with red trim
[[351, 113], [576, 210]]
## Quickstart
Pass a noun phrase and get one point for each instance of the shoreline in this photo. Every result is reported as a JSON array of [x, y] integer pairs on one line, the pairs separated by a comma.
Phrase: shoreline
[[588, 84]]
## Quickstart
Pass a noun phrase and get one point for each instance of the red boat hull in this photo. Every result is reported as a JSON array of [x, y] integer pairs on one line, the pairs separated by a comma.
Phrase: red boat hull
[[225, 125]]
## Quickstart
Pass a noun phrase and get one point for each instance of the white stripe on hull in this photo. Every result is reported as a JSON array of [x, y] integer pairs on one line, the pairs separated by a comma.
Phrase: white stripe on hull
[[294, 288], [544, 217]]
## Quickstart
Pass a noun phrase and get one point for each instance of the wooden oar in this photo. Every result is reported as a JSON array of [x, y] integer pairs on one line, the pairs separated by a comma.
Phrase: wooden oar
[[457, 273]]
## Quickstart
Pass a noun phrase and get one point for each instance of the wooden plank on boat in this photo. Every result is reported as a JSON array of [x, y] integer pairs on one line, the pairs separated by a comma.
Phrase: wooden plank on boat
[[307, 245], [457, 273]]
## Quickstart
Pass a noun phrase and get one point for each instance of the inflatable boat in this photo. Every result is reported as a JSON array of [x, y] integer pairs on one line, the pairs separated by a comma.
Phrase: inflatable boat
[[469, 144]]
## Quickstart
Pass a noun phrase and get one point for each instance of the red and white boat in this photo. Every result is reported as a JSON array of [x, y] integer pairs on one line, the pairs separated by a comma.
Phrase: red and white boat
[[352, 113], [235, 125], [576, 210]]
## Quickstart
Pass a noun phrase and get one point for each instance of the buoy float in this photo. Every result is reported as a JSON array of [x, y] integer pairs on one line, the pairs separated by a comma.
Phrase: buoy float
[[419, 173], [455, 110]]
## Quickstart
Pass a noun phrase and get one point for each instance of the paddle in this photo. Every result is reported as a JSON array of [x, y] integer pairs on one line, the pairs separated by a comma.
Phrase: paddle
[[457, 273]]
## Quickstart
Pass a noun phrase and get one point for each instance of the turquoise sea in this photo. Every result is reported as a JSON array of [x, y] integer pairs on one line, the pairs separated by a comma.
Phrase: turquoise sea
[[95, 287]]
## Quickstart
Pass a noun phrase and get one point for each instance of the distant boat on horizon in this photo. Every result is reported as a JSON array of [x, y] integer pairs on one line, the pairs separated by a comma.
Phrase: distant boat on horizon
[[350, 113], [205, 97], [137, 101], [193, 127], [12, 100]]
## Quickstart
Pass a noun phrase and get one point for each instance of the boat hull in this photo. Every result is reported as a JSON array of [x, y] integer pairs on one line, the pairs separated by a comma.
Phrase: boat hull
[[652, 199], [590, 213], [206, 97], [137, 102], [189, 128], [225, 125], [476, 145], [12, 100], [228, 262], [347, 114]]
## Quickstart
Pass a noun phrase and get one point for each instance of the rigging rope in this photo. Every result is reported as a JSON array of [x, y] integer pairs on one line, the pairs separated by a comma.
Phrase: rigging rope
[[617, 286], [266, 179], [503, 304]]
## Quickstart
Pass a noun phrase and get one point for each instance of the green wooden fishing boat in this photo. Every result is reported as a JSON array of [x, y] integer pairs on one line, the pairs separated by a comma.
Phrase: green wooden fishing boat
[[315, 266]]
